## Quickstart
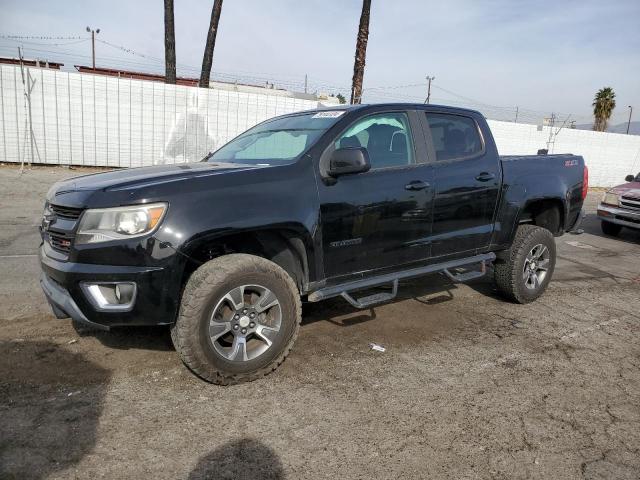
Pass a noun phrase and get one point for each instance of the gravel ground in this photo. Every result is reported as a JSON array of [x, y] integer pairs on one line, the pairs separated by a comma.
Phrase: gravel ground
[[469, 386]]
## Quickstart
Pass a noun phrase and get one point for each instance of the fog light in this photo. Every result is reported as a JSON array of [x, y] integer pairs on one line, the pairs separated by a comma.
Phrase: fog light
[[111, 296]]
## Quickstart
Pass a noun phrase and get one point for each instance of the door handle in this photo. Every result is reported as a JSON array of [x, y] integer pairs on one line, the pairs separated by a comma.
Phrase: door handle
[[416, 185], [485, 177]]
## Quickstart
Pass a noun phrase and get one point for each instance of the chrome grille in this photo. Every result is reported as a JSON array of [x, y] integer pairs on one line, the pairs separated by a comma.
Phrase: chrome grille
[[60, 241], [630, 202], [71, 213]]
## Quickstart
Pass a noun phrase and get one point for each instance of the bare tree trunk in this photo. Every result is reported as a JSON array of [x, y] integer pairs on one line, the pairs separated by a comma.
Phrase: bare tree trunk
[[361, 52], [207, 59], [169, 43]]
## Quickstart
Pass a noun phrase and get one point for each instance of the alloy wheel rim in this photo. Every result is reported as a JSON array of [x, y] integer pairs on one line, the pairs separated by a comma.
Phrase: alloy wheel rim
[[245, 323], [536, 267]]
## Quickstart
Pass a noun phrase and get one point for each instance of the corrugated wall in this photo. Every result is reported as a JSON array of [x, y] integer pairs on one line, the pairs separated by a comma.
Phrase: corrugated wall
[[82, 119]]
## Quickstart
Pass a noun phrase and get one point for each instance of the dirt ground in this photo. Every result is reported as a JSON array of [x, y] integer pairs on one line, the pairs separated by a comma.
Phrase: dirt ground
[[469, 386]]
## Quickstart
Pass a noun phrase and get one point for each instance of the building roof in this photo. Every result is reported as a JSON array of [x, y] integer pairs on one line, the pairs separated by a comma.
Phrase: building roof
[[115, 72], [31, 63]]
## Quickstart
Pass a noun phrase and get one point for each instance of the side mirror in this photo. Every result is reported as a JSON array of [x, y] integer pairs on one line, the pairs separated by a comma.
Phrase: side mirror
[[349, 160], [629, 178]]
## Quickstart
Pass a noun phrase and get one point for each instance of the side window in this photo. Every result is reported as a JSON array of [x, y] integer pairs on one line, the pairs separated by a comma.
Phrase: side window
[[454, 136], [387, 138]]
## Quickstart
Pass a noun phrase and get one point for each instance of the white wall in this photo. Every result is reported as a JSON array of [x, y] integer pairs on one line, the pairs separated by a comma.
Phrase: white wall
[[609, 156], [83, 119]]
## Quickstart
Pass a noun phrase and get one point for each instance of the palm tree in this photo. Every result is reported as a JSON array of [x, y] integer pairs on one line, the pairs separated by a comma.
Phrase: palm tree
[[603, 105], [169, 43], [207, 59], [361, 52]]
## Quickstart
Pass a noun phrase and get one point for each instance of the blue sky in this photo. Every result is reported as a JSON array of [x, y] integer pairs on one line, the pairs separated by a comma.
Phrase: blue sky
[[541, 55]]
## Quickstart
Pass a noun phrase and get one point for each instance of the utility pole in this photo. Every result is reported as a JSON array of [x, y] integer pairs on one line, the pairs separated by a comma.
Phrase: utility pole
[[516, 120], [429, 79], [93, 44], [305, 83], [629, 122]]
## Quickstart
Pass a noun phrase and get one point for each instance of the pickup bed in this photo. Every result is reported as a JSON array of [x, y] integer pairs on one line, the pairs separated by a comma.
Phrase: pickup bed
[[308, 206]]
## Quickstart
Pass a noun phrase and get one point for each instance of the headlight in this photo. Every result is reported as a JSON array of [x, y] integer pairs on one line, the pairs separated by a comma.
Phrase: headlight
[[610, 199], [119, 223]]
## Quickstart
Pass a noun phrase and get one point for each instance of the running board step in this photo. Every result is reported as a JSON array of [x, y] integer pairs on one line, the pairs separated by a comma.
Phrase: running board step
[[343, 289], [466, 276], [371, 300]]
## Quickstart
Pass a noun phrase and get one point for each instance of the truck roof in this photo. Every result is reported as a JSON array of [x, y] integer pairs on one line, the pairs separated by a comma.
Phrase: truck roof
[[418, 106]]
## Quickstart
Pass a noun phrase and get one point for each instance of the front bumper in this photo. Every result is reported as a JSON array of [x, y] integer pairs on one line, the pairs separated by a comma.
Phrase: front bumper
[[619, 216], [155, 304]]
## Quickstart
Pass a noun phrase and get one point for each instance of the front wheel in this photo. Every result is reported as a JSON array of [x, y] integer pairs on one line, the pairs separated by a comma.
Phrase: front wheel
[[523, 272], [239, 317]]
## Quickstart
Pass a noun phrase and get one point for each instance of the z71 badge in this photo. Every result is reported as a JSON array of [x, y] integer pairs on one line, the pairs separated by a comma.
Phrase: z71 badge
[[346, 243]]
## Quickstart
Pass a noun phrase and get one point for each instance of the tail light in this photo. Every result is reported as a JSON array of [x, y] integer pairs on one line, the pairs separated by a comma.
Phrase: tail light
[[585, 182]]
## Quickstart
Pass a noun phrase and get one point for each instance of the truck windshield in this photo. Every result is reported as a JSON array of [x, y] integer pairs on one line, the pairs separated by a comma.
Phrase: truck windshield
[[278, 141]]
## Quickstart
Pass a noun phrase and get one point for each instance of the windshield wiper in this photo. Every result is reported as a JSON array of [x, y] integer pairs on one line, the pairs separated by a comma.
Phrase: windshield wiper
[[207, 156]]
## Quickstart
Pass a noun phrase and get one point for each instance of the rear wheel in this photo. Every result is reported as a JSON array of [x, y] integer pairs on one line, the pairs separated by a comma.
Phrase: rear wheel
[[239, 317], [523, 272], [609, 228]]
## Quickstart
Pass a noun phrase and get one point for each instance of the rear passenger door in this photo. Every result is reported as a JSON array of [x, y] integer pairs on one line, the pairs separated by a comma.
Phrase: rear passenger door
[[467, 183]]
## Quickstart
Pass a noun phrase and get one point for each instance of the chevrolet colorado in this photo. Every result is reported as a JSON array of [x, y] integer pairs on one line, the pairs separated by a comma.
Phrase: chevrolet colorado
[[310, 205]]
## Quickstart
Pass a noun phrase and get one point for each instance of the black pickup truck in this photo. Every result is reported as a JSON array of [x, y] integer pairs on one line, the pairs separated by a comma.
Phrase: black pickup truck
[[305, 206]]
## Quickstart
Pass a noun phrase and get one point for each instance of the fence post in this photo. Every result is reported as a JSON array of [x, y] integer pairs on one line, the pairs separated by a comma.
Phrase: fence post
[[44, 117], [4, 131], [55, 92], [69, 105], [15, 91], [82, 116]]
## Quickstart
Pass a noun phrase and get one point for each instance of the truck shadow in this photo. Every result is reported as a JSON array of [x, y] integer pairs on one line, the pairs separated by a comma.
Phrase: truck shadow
[[433, 289], [52, 400], [244, 459], [155, 338]]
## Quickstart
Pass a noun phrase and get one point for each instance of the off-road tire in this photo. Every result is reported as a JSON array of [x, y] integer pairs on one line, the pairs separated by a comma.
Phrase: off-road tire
[[206, 286], [509, 264], [612, 229]]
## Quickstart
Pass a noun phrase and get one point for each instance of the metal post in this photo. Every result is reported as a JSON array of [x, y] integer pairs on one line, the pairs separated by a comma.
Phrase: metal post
[[55, 92], [106, 119], [142, 124], [130, 141], [44, 117], [118, 114], [82, 117], [69, 105], [15, 92], [629, 122], [153, 123], [27, 93], [4, 131], [95, 126]]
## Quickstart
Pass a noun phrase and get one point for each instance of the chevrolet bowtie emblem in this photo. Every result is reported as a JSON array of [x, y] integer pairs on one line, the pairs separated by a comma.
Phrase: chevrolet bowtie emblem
[[47, 221]]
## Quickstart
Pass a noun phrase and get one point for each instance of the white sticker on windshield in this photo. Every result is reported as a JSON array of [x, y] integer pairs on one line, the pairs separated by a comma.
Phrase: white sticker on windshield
[[329, 114]]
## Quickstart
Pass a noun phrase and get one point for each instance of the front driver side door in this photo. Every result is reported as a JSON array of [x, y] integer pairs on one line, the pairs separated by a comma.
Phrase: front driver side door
[[381, 218]]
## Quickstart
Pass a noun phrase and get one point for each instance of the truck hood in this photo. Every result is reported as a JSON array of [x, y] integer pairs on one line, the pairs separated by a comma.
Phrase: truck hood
[[132, 178], [631, 189]]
